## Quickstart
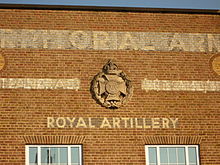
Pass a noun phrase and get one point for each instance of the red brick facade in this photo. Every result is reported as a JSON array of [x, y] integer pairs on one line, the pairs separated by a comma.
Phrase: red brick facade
[[24, 112]]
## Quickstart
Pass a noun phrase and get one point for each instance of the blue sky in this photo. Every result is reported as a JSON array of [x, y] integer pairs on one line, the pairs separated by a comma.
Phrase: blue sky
[[185, 4]]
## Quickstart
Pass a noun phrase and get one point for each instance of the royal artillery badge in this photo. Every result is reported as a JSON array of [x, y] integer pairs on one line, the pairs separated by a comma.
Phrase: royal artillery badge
[[111, 88]]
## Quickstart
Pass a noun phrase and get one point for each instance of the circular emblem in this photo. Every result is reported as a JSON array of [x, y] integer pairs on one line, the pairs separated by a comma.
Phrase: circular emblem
[[111, 88], [216, 65], [2, 62]]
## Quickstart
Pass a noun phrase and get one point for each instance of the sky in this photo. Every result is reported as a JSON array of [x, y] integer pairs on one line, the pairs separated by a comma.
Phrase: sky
[[182, 4]]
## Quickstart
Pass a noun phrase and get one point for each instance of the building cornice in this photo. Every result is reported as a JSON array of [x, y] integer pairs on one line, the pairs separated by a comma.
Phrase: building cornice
[[105, 8]]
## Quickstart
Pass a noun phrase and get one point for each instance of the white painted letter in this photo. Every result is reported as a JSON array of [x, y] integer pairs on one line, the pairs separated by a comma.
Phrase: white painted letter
[[105, 123], [50, 122]]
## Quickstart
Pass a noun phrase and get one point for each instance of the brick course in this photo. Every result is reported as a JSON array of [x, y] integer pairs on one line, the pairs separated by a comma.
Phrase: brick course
[[24, 112]]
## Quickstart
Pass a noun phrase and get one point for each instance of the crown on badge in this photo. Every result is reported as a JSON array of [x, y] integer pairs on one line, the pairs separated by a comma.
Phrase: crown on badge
[[110, 68]]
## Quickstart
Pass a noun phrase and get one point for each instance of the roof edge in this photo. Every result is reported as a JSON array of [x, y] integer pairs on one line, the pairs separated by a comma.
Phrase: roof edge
[[105, 8]]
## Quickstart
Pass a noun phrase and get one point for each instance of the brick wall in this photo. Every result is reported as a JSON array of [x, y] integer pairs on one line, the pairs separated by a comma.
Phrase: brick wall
[[24, 112]]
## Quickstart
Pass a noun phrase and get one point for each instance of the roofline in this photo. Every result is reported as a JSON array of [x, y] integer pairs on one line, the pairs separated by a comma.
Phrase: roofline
[[105, 8]]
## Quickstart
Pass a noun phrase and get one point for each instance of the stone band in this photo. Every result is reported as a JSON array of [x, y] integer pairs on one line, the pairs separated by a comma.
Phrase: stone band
[[169, 85], [109, 40], [31, 83]]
